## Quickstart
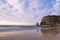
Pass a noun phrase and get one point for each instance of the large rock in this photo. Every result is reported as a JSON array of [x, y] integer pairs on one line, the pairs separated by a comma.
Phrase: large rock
[[50, 20]]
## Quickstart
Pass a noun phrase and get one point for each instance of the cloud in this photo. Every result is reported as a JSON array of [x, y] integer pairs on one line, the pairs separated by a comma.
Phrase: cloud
[[3, 1], [25, 11], [56, 8], [57, 0]]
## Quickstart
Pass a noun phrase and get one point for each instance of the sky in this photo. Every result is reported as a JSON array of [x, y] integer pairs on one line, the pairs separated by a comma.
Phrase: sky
[[27, 12]]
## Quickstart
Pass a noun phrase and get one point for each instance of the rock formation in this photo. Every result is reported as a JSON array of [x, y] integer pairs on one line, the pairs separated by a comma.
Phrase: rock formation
[[51, 20]]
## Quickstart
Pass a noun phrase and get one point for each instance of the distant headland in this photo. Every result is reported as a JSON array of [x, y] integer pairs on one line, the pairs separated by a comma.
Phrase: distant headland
[[50, 20]]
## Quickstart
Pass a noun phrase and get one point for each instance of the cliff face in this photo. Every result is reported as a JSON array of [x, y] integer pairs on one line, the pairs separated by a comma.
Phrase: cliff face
[[50, 20]]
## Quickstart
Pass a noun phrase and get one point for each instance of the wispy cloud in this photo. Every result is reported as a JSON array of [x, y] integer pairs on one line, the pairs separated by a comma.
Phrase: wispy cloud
[[56, 8], [27, 11]]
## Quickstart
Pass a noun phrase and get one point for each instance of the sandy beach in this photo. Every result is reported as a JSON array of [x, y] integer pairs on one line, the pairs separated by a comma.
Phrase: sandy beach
[[29, 35], [20, 35]]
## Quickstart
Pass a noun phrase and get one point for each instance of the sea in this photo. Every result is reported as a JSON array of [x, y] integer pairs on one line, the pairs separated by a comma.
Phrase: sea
[[16, 28]]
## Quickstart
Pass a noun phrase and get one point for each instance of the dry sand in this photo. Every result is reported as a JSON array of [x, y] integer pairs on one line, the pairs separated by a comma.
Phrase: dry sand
[[29, 35]]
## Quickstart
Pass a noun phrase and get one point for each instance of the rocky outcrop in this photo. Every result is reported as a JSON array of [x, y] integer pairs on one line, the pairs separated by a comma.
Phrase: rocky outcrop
[[50, 20]]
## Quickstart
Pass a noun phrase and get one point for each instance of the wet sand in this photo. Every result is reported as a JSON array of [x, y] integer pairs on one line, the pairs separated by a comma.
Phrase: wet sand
[[29, 35]]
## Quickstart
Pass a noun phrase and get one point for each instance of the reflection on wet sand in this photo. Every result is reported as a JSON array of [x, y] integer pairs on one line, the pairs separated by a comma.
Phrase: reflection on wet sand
[[50, 34], [39, 34], [50, 31]]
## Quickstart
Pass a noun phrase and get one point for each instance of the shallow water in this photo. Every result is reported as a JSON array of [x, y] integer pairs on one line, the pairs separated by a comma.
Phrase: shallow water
[[14, 28], [29, 33]]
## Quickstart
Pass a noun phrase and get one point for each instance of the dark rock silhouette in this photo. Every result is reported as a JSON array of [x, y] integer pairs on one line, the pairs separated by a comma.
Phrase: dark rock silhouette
[[37, 24], [51, 20]]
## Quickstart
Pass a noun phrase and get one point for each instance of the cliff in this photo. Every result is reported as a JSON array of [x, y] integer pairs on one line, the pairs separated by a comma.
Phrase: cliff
[[51, 20]]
